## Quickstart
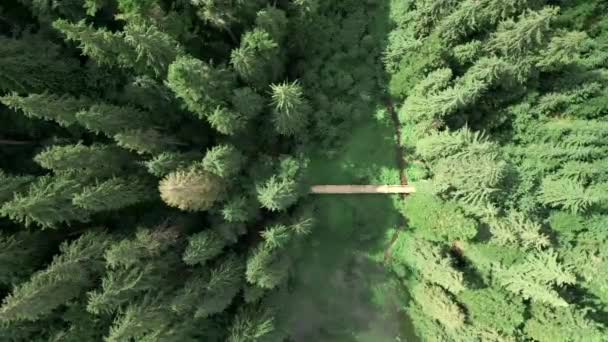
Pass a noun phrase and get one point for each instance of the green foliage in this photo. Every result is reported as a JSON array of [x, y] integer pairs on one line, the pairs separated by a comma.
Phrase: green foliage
[[11, 185], [491, 308], [146, 141], [110, 119], [436, 220], [167, 162], [535, 278], [98, 160], [436, 303], [73, 271], [291, 110], [201, 86], [48, 203], [212, 293], [203, 247], [253, 324], [135, 267], [61, 109], [430, 263], [562, 324], [34, 64], [113, 194], [257, 61], [223, 160]]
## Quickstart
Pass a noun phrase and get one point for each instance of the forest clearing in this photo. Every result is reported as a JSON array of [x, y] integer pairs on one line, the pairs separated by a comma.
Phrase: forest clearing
[[303, 170]]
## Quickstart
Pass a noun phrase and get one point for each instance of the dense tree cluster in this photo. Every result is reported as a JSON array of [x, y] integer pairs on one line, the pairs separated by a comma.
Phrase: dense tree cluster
[[503, 105], [151, 177], [155, 157]]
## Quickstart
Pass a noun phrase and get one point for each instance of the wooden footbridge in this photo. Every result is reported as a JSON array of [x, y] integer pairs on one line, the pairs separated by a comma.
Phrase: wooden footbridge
[[362, 189]]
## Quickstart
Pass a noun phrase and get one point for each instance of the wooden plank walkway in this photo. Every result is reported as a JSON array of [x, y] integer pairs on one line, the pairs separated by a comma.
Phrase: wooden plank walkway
[[362, 189]]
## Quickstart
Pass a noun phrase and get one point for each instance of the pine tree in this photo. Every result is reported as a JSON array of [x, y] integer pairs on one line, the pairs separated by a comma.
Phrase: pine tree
[[113, 194], [212, 293], [223, 160], [430, 263], [48, 203], [111, 119], [254, 324], [61, 109], [239, 209], [154, 49], [266, 267], [70, 274], [201, 86], [562, 324], [535, 277], [226, 121], [258, 59], [97, 160], [103, 46], [193, 189], [20, 254], [282, 190], [32, 64], [291, 110], [247, 102], [135, 267], [167, 162], [438, 221], [146, 141], [494, 309], [532, 29], [11, 185], [438, 305], [203, 247], [277, 194]]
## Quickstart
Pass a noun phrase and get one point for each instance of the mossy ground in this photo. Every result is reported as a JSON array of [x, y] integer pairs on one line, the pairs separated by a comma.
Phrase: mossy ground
[[343, 290]]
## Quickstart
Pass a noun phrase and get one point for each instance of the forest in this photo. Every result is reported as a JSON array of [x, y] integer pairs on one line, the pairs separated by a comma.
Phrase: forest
[[156, 158]]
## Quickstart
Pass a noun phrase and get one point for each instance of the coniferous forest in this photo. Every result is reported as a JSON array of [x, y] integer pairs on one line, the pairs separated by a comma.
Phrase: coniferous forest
[[156, 158]]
